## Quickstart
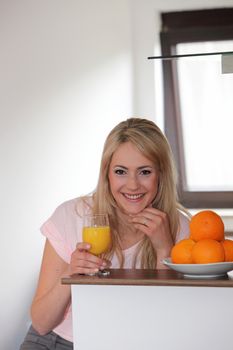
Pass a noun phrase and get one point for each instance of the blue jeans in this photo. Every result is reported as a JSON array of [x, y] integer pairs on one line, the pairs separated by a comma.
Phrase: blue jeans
[[50, 341]]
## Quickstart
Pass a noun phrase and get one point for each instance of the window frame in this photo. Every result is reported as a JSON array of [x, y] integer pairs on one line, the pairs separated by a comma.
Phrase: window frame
[[184, 27]]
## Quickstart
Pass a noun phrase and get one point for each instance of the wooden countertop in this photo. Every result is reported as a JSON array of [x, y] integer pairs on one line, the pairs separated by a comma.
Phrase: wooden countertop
[[138, 277]]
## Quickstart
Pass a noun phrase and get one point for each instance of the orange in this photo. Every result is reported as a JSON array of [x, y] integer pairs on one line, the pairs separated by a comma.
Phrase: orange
[[206, 224], [208, 251], [181, 252], [228, 248]]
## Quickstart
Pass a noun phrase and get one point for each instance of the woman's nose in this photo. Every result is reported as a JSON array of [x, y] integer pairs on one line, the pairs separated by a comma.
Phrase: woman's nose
[[132, 183]]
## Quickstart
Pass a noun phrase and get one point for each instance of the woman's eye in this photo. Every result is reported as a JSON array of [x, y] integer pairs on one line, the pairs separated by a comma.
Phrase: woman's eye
[[119, 172], [145, 172]]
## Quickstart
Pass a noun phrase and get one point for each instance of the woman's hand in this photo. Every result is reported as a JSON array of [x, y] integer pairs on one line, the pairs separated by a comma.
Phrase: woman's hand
[[155, 224], [83, 262]]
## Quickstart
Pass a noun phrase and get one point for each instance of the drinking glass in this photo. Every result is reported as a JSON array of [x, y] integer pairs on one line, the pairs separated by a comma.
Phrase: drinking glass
[[96, 232]]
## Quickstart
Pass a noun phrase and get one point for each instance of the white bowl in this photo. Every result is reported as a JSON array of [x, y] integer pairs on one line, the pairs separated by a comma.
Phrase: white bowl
[[214, 270]]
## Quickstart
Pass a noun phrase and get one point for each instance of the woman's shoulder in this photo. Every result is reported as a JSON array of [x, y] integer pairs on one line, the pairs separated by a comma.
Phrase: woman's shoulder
[[67, 218], [64, 227]]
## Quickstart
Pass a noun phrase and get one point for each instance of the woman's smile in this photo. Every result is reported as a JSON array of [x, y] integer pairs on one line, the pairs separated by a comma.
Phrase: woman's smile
[[133, 197]]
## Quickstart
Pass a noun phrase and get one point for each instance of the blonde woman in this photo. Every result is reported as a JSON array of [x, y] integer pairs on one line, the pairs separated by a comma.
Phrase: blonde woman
[[137, 189]]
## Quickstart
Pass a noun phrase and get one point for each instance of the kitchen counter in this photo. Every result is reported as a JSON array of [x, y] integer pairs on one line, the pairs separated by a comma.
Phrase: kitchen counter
[[145, 309], [139, 277]]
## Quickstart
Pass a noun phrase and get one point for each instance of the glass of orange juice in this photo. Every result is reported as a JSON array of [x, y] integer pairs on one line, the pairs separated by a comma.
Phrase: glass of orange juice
[[96, 232]]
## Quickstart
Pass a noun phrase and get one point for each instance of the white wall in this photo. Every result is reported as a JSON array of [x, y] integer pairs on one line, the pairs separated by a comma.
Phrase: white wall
[[69, 71], [65, 80]]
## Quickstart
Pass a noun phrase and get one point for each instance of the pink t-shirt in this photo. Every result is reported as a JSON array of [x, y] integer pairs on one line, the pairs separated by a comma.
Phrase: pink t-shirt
[[64, 230]]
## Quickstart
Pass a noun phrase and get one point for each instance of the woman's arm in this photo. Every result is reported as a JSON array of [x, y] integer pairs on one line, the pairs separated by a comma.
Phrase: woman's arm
[[52, 298]]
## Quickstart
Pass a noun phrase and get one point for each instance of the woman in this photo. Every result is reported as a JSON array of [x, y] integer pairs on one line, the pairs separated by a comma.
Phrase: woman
[[137, 189]]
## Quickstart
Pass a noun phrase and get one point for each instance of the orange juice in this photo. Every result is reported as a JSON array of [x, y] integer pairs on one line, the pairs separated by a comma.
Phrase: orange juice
[[99, 238]]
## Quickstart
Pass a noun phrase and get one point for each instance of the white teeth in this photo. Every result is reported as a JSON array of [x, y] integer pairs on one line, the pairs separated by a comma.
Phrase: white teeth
[[133, 196]]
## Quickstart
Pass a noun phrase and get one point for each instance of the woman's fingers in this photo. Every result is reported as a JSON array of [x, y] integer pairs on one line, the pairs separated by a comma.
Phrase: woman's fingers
[[141, 220], [148, 217], [83, 262], [82, 246], [155, 224]]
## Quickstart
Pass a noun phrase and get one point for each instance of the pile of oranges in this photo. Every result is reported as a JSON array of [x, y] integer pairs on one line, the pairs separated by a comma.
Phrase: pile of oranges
[[206, 243]]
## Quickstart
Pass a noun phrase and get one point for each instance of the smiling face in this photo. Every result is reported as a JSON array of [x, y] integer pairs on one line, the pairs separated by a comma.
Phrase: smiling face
[[133, 179]]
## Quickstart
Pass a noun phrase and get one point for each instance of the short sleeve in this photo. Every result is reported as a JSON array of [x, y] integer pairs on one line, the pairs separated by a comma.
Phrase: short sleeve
[[63, 229], [184, 227]]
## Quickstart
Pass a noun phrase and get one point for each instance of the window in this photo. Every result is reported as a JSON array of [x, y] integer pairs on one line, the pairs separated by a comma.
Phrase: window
[[198, 107]]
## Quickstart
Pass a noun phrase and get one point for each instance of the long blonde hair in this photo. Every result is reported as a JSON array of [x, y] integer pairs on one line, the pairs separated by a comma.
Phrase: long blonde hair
[[152, 143]]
